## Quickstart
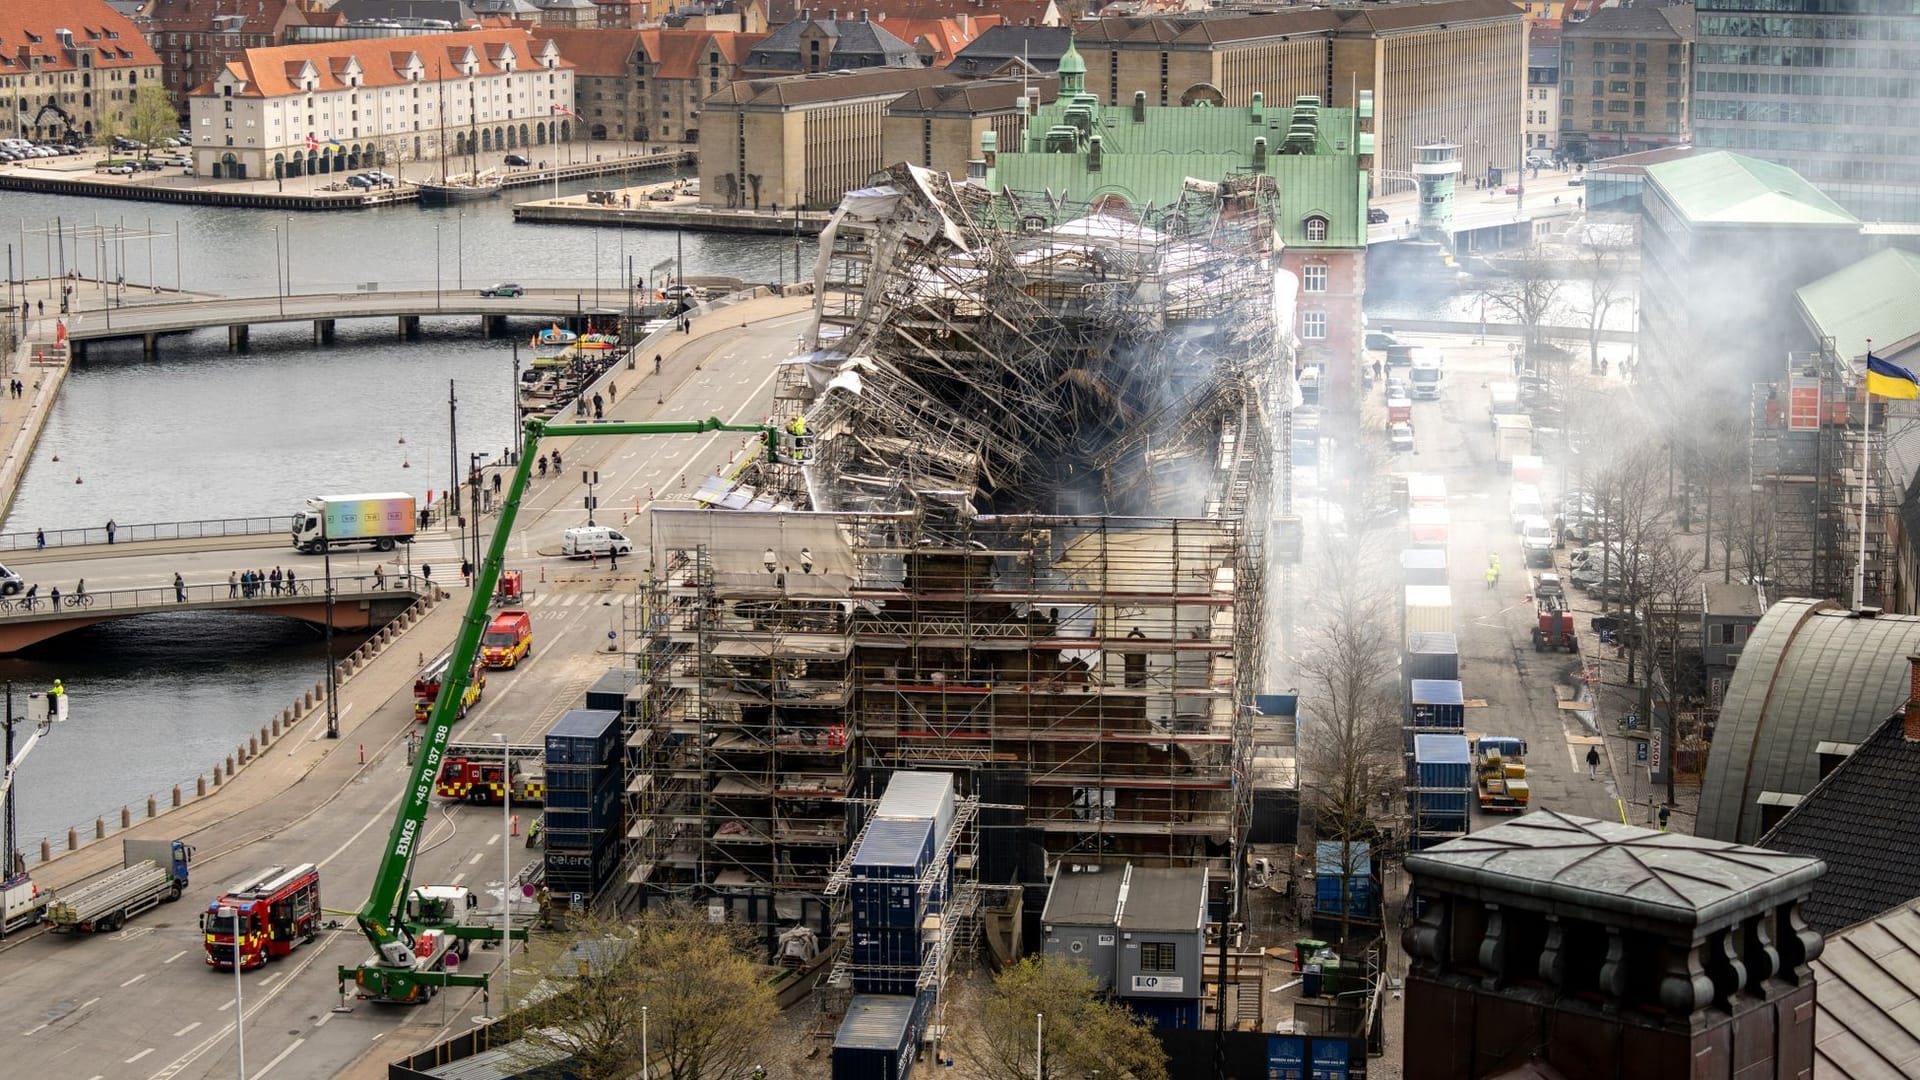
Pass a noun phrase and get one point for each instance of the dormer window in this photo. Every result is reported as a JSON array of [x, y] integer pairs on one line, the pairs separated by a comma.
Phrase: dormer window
[[1316, 227]]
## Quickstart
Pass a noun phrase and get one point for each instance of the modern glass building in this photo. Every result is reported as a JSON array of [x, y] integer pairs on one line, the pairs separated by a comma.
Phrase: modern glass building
[[1826, 87]]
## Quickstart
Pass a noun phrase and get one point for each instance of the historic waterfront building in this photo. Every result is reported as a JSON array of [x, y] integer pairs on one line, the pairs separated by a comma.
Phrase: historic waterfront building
[[648, 85], [294, 110], [66, 66], [1144, 157]]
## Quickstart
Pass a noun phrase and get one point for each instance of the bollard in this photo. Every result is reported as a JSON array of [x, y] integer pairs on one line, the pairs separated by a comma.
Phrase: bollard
[[200, 787], [276, 727], [153, 807], [320, 691], [99, 828], [287, 717], [253, 746], [46, 850], [216, 774], [306, 702], [176, 795], [263, 736], [363, 753], [126, 818], [229, 766]]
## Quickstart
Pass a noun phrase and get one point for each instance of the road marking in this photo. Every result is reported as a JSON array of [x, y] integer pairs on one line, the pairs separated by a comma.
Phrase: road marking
[[494, 839], [260, 1001], [175, 956], [278, 1058], [320, 730], [270, 978], [30, 1031], [89, 1001], [477, 856], [458, 878], [186, 1029], [139, 1055], [379, 815], [225, 1007], [133, 980], [322, 1022]]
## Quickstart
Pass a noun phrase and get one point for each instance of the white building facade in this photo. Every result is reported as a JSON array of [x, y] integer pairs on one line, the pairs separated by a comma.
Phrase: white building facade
[[299, 110]]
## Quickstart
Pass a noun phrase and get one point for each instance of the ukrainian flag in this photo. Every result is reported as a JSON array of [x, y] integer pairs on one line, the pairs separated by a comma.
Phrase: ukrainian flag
[[1890, 380]]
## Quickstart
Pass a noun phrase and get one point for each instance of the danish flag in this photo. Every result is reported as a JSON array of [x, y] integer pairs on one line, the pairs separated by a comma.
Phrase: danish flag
[[313, 143]]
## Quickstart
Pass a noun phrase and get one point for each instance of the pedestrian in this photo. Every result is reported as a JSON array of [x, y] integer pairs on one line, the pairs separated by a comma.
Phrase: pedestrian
[[55, 594], [273, 581], [233, 584], [179, 588], [40, 539], [613, 390], [656, 363], [379, 576], [53, 699], [426, 572], [246, 584], [1665, 812], [1593, 762], [110, 530], [289, 582], [466, 571], [496, 485], [613, 558], [686, 327], [599, 407], [42, 305]]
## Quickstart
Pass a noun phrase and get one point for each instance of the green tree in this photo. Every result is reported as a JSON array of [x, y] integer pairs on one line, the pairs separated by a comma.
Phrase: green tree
[[153, 118], [1080, 1034], [707, 1006], [106, 129]]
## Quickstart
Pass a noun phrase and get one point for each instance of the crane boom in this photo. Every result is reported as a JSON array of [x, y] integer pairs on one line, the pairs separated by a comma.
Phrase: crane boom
[[393, 973]]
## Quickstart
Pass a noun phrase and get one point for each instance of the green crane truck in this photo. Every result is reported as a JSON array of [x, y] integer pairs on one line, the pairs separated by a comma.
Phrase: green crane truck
[[413, 935]]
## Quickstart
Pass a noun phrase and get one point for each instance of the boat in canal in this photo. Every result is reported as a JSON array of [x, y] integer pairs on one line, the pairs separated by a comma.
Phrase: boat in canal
[[459, 188]]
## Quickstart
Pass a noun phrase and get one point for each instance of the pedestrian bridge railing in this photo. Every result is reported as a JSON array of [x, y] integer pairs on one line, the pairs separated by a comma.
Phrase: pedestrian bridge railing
[[158, 530], [200, 594]]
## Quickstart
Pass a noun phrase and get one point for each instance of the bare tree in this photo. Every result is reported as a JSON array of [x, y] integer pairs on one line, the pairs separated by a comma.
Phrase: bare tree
[[1602, 270], [1352, 741], [1528, 293], [1077, 1034], [687, 982]]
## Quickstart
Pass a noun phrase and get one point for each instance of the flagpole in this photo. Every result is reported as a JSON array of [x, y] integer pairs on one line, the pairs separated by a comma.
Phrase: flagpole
[[1866, 459]]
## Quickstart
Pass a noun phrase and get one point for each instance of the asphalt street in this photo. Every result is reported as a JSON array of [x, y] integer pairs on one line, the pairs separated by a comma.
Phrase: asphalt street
[[141, 1003]]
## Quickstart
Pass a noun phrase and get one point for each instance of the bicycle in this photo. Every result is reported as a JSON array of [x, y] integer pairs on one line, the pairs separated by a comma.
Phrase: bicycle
[[77, 600]]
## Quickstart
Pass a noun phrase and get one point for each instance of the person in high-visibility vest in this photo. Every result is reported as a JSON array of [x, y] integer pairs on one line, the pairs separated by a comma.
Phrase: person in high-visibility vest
[[797, 427], [53, 700]]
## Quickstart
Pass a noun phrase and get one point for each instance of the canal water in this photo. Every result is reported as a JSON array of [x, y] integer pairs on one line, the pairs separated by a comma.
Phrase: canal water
[[204, 433]]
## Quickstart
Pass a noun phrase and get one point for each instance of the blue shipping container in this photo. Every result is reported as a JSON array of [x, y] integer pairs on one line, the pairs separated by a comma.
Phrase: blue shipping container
[[1429, 803], [563, 821], [601, 802], [578, 839], [585, 777], [1326, 857], [610, 692], [888, 949], [894, 851], [878, 1038], [1431, 654], [1437, 703], [1424, 566], [584, 737], [1164, 1014], [887, 905], [1442, 762], [1327, 899]]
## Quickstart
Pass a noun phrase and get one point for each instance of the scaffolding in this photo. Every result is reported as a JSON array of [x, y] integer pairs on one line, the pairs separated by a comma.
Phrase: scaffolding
[[1806, 446], [1019, 534]]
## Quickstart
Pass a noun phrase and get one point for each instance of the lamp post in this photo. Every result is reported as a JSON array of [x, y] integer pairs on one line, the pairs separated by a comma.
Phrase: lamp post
[[460, 249], [645, 1072], [436, 266], [513, 402], [239, 1010], [506, 877], [279, 288]]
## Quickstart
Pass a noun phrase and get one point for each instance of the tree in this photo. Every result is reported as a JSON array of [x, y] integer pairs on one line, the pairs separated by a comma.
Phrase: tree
[[708, 1007], [1602, 271], [153, 118], [1528, 293], [106, 129], [1077, 1033], [1352, 742]]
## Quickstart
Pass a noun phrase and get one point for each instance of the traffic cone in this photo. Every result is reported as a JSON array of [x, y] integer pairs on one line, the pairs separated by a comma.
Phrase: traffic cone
[[516, 826]]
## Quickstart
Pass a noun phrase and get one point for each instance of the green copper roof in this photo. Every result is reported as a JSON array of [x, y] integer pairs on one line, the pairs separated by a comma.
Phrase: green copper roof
[[1071, 62], [1874, 299], [1147, 160], [1730, 189]]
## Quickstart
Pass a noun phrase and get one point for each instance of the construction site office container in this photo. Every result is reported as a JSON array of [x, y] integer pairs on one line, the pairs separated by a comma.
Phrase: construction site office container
[[878, 1037], [1437, 703], [1429, 609], [1426, 489], [1442, 762], [610, 692], [1424, 566], [885, 890], [913, 794], [1428, 526]]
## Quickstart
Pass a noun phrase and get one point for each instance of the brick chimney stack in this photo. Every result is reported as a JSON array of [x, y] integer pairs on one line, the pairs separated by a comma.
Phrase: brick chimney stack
[[1910, 728]]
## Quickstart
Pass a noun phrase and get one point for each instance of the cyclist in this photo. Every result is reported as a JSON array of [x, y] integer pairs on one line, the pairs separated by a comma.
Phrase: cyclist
[[27, 600], [79, 593]]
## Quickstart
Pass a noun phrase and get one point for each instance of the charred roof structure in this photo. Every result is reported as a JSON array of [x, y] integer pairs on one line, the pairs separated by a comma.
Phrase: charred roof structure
[[1019, 532]]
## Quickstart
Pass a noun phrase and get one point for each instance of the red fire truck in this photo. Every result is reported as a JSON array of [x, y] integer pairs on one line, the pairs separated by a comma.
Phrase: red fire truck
[[279, 909], [426, 686], [473, 772]]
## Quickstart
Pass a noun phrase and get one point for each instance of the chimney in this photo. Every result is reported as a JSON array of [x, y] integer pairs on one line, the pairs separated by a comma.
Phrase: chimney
[[1910, 727], [865, 15]]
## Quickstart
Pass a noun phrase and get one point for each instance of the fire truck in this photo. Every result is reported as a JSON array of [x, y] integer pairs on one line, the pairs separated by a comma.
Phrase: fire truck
[[473, 773], [426, 687], [279, 910]]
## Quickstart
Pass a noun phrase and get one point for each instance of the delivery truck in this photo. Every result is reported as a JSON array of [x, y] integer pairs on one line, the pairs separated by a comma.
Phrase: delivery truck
[[1512, 437], [151, 872], [380, 520]]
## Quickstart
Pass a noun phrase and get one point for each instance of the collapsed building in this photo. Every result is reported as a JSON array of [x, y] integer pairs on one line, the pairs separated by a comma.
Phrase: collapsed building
[[1021, 532]]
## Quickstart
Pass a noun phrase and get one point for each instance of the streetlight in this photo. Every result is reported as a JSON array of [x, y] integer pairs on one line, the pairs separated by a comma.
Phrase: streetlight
[[460, 249], [239, 1010], [436, 266], [279, 287], [506, 878], [645, 1072]]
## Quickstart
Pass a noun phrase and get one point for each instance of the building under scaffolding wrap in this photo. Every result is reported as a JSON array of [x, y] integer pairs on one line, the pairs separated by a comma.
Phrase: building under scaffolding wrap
[[1020, 532]]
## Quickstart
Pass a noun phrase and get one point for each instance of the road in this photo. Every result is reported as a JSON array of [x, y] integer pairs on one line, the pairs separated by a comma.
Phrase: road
[[140, 1004], [1521, 687]]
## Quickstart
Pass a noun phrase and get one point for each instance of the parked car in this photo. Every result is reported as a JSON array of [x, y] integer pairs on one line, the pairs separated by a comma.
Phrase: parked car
[[383, 178], [1400, 438], [1376, 216], [1576, 181], [1381, 339], [678, 291], [359, 181], [518, 160], [505, 291], [1513, 189]]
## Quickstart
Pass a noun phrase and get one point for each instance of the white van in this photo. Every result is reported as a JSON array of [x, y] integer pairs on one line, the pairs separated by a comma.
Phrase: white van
[[1525, 503], [588, 540]]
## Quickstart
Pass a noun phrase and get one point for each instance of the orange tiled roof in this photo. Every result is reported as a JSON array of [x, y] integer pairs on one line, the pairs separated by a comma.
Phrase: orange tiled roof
[[191, 16], [679, 54], [30, 25], [594, 53], [945, 36], [270, 72]]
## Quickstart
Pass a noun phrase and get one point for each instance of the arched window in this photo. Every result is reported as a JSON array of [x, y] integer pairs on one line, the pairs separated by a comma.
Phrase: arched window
[[524, 140], [1316, 227], [540, 133]]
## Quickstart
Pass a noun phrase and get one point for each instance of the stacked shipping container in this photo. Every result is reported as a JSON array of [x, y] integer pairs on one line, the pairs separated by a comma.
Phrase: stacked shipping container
[[585, 776]]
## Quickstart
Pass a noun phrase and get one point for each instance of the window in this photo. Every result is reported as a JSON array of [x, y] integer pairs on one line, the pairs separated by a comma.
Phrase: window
[[1617, 86], [1314, 277], [1599, 87], [1313, 325], [1157, 956], [1619, 67]]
